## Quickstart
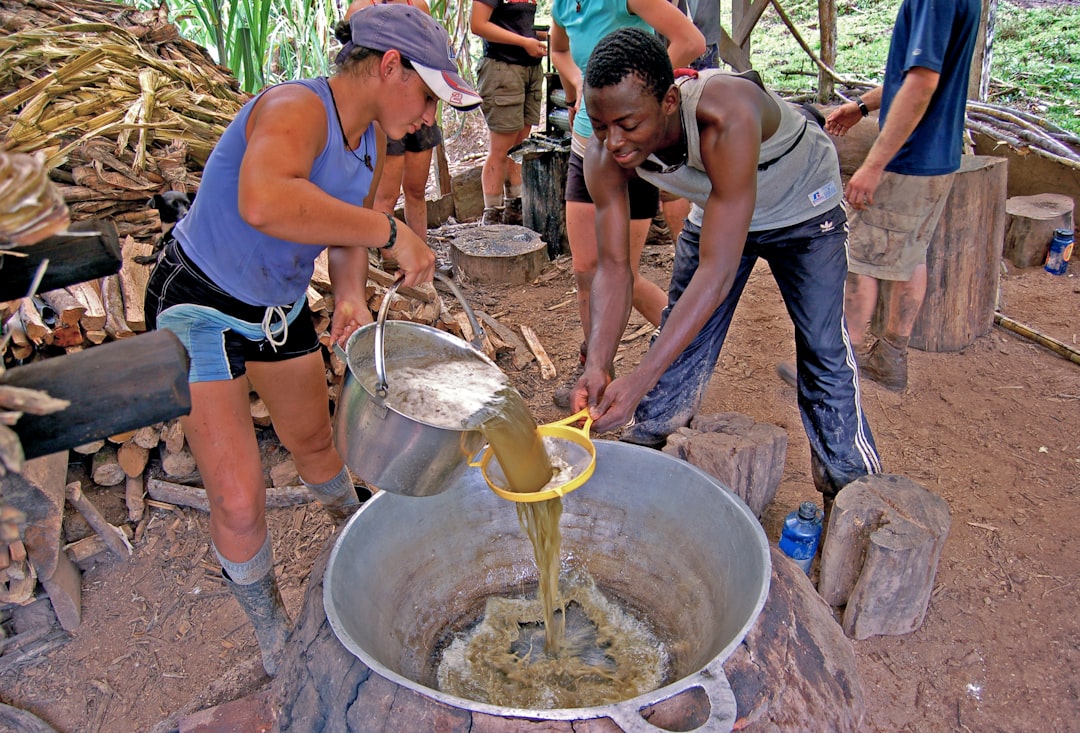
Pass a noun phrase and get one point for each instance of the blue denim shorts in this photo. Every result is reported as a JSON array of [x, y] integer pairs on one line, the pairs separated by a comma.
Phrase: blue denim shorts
[[221, 333]]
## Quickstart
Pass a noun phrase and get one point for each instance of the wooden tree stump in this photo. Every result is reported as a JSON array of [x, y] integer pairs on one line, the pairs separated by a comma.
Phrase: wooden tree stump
[[1031, 224], [881, 552], [962, 262], [794, 671], [744, 455], [498, 254]]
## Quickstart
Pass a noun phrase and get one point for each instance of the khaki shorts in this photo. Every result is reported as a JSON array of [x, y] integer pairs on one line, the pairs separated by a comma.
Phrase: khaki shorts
[[889, 240], [512, 94]]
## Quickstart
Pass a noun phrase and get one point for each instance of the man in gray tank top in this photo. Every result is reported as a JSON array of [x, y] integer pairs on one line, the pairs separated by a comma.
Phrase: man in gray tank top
[[765, 182]]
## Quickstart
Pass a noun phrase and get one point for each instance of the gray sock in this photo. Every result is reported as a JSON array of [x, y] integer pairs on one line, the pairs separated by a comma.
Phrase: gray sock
[[250, 571], [338, 491]]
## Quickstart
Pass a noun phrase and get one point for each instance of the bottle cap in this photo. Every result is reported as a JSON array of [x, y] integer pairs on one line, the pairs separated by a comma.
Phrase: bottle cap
[[808, 510]]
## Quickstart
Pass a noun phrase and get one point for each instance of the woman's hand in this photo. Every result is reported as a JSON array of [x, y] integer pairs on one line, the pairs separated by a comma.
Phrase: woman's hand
[[414, 258], [349, 314]]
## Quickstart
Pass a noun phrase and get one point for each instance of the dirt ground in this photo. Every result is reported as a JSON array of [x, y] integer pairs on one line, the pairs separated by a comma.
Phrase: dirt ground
[[994, 429]]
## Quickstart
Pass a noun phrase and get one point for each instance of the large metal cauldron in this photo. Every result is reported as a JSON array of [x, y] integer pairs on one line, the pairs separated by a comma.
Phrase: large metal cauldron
[[656, 533]]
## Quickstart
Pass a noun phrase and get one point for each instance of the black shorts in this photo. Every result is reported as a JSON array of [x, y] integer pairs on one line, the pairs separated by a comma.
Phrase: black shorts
[[176, 280], [644, 197], [423, 139]]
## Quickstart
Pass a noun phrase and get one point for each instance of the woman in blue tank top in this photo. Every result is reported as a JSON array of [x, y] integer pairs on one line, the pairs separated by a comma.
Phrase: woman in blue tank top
[[292, 175]]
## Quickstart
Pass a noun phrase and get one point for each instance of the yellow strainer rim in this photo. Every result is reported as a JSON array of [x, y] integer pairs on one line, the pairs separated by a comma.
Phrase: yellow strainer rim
[[559, 429]]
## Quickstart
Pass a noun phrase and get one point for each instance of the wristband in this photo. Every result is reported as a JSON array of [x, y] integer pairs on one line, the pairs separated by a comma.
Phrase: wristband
[[862, 106], [393, 233]]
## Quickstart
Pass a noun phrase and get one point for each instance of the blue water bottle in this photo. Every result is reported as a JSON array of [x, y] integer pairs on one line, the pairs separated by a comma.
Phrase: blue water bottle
[[801, 533], [1061, 246]]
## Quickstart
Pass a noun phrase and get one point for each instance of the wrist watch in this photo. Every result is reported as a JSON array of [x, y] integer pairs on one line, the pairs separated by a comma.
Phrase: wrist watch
[[862, 106]]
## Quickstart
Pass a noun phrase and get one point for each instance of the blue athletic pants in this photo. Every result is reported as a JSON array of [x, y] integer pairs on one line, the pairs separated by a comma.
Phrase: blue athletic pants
[[809, 263]]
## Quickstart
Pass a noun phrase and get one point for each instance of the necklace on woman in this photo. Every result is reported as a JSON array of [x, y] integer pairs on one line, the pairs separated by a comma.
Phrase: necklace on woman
[[366, 160]]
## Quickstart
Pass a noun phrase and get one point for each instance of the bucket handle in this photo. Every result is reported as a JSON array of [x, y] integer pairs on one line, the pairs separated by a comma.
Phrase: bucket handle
[[381, 386], [723, 709]]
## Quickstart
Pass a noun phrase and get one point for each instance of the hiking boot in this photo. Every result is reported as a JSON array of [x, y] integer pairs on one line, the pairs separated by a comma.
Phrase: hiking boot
[[512, 212], [492, 215], [787, 372], [886, 364], [561, 396], [659, 232]]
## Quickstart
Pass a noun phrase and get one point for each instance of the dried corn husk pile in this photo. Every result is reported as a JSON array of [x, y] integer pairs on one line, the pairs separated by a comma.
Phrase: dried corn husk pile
[[118, 104]]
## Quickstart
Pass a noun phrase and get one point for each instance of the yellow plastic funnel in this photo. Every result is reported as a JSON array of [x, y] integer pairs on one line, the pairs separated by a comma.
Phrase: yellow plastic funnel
[[572, 444]]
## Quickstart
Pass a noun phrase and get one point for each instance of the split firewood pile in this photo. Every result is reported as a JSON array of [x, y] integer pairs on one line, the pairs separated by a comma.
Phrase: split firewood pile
[[102, 107]]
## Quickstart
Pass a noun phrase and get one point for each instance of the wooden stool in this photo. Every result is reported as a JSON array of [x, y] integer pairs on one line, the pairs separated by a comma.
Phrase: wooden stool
[[881, 553], [1031, 224], [744, 455]]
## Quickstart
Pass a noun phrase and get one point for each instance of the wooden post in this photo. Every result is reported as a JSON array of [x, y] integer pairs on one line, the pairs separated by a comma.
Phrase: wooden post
[[89, 250], [963, 261], [827, 31]]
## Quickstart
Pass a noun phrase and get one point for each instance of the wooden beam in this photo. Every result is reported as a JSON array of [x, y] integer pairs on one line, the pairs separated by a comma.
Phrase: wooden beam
[[114, 387], [72, 259]]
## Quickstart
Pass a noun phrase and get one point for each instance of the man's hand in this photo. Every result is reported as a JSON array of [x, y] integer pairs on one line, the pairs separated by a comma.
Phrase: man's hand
[[842, 119], [535, 47], [862, 185], [616, 407]]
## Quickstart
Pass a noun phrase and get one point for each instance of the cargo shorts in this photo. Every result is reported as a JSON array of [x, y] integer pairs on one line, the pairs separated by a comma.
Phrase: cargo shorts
[[512, 94], [888, 240]]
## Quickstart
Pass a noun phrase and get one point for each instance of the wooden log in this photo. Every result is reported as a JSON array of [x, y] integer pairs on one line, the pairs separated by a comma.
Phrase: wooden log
[[89, 297], [1030, 225], [114, 387], [132, 457], [260, 413], [386, 280], [963, 261], [881, 552], [38, 492], [93, 252], [64, 587], [113, 538], [744, 455], [195, 497], [33, 325], [547, 369], [89, 449], [522, 355], [106, 470], [80, 551], [500, 254], [179, 465], [172, 435], [148, 436], [69, 310], [543, 183], [134, 491], [116, 326], [133, 278]]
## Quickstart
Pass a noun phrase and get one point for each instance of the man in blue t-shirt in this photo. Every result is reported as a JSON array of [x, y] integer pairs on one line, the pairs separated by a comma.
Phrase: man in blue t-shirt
[[899, 191]]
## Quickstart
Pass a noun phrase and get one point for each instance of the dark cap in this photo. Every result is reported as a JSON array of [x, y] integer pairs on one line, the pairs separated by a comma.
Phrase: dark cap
[[420, 39]]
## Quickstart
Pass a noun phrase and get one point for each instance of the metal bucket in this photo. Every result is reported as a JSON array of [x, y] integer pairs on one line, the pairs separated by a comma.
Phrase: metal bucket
[[386, 448], [657, 534]]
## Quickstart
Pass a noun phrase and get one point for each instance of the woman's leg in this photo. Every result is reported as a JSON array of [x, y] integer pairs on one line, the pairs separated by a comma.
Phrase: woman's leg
[[649, 298], [221, 436]]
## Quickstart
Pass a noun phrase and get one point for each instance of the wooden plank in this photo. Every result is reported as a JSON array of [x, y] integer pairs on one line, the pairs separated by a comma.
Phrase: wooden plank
[[195, 496], [547, 369], [114, 387]]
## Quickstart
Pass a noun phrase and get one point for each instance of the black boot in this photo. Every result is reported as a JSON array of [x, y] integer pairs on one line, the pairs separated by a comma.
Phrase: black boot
[[512, 214], [261, 602]]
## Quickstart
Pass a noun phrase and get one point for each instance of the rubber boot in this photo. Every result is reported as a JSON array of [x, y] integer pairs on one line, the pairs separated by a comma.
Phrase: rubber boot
[[886, 364], [338, 496], [492, 215], [261, 602]]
